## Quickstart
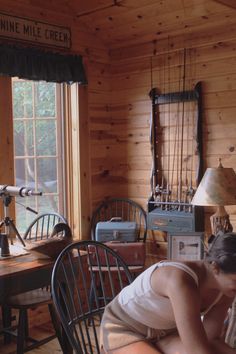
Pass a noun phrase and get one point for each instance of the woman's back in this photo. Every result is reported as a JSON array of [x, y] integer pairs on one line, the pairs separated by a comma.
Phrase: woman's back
[[147, 306]]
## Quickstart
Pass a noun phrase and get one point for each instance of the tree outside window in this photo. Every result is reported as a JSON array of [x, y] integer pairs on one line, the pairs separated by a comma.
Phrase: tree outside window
[[37, 147]]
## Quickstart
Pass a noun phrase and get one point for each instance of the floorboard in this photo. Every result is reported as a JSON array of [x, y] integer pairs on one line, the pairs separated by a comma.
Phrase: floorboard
[[52, 347]]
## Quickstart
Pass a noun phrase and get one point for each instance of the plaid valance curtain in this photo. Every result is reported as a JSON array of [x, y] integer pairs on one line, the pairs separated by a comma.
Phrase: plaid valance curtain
[[36, 64]]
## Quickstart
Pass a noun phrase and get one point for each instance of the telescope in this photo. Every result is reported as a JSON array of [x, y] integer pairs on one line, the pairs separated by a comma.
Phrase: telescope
[[7, 193], [14, 191]]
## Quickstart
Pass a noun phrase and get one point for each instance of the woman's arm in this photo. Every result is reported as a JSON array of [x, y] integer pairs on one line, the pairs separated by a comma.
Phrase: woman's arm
[[184, 295], [213, 323]]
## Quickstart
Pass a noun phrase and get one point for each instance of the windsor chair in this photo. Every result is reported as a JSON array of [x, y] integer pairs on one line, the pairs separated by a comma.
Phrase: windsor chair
[[74, 280], [41, 228]]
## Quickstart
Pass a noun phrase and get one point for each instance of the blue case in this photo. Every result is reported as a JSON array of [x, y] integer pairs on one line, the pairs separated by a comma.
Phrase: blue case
[[122, 231]]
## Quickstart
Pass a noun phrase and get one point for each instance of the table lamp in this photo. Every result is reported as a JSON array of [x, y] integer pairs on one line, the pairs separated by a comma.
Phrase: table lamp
[[217, 188]]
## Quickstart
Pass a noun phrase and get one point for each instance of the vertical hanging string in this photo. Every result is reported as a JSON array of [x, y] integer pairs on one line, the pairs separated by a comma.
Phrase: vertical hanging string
[[175, 156], [174, 146], [182, 131], [194, 126], [163, 140], [187, 134], [151, 73], [189, 147], [178, 135], [168, 129], [152, 142], [158, 166]]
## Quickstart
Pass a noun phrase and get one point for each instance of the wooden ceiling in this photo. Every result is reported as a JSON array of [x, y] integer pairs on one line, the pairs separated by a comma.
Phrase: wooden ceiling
[[120, 23]]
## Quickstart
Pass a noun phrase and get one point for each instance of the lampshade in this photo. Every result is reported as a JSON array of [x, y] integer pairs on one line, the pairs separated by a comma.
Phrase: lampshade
[[217, 187]]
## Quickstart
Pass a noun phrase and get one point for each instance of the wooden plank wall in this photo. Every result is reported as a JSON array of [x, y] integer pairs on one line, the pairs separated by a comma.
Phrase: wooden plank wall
[[6, 138], [96, 60], [124, 155], [119, 106]]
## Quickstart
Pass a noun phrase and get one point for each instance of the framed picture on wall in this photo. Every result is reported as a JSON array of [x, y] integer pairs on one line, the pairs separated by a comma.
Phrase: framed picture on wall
[[187, 246]]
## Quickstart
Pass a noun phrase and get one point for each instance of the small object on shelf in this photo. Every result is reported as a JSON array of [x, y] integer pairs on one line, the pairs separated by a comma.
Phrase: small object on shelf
[[116, 230], [4, 245]]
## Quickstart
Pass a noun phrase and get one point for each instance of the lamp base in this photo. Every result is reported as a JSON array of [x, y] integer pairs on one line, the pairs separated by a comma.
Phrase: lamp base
[[220, 221]]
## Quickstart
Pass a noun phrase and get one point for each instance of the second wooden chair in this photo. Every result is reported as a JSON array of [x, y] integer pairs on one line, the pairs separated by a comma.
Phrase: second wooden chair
[[40, 229]]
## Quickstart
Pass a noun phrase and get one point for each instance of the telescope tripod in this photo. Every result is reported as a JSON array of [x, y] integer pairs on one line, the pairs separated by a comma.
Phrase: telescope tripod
[[8, 222]]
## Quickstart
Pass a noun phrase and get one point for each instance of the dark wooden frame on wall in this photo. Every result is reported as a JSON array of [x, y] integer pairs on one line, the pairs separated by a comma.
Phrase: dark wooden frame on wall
[[166, 220]]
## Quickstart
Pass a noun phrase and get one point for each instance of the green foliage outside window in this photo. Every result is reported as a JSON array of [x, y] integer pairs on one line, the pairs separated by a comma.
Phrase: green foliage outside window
[[35, 145]]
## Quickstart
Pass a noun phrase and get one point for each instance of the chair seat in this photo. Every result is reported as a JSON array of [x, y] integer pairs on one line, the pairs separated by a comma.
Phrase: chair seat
[[29, 299]]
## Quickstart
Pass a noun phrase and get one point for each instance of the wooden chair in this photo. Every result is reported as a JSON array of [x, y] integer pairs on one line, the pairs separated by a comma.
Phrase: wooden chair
[[126, 210], [41, 228], [76, 273]]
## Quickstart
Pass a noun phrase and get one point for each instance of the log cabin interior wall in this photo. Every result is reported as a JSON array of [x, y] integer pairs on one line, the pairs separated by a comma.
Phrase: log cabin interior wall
[[96, 95], [122, 65], [213, 63], [134, 68]]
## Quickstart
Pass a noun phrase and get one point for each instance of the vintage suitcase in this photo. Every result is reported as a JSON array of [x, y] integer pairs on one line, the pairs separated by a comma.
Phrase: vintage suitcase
[[116, 230], [133, 253]]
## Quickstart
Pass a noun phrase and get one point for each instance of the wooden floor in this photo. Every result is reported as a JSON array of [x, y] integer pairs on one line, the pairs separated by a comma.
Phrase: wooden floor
[[51, 348]]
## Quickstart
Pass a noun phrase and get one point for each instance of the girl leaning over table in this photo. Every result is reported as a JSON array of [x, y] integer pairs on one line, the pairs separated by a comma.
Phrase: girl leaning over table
[[175, 307]]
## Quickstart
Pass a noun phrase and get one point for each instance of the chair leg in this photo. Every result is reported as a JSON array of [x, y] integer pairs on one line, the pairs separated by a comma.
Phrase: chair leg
[[21, 331], [6, 323], [26, 325], [56, 326]]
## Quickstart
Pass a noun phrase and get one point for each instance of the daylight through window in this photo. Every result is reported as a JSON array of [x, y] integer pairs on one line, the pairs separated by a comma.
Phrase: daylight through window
[[38, 147]]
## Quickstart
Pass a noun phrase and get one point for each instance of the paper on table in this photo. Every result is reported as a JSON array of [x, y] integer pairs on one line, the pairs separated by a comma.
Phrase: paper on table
[[15, 251]]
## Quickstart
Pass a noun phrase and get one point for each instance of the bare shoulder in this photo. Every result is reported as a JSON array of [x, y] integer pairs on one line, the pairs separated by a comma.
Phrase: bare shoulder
[[169, 277]]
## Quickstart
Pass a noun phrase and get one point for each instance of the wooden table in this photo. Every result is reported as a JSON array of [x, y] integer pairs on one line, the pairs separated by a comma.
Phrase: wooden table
[[25, 273]]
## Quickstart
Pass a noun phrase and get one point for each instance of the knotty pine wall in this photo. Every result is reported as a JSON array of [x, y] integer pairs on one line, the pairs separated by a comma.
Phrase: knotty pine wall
[[134, 70], [96, 60], [119, 107], [95, 96]]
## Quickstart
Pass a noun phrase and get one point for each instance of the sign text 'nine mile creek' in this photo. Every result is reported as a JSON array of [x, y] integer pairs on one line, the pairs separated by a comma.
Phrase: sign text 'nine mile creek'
[[19, 28]]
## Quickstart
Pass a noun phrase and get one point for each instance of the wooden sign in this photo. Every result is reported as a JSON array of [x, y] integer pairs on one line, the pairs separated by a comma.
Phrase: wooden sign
[[22, 29]]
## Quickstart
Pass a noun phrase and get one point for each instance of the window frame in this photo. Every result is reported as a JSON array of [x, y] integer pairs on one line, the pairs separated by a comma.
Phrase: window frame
[[34, 157], [77, 178]]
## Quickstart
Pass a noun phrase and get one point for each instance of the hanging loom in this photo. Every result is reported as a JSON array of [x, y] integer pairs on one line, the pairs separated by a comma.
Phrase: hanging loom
[[176, 145]]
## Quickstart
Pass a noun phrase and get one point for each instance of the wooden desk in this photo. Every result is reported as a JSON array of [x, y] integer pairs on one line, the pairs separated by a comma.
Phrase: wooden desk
[[25, 273]]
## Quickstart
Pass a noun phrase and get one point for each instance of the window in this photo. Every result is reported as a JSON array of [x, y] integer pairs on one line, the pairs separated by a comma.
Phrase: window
[[38, 147]]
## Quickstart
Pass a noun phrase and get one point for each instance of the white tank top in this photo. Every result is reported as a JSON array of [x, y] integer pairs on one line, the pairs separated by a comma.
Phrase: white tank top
[[144, 305]]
